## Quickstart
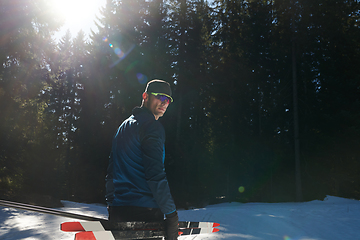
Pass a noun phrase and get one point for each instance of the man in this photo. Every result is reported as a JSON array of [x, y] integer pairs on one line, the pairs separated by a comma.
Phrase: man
[[136, 185]]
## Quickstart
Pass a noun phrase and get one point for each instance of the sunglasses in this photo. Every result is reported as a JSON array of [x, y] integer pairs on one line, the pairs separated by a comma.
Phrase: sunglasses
[[163, 97]]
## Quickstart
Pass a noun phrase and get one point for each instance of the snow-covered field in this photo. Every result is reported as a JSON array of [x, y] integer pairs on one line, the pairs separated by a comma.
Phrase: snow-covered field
[[332, 219]]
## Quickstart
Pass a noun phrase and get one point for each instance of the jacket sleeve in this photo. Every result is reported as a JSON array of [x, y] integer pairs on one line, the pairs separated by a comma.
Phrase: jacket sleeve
[[152, 144]]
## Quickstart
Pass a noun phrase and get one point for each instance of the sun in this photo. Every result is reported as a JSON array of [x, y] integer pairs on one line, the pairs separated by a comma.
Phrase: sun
[[76, 11]]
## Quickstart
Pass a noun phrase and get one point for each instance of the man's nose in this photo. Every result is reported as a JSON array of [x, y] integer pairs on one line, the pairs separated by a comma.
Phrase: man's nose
[[165, 102]]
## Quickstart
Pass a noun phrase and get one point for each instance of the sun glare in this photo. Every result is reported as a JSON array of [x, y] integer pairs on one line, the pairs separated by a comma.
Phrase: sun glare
[[76, 12]]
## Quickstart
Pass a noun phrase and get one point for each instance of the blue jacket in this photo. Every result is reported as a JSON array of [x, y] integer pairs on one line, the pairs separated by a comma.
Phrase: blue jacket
[[136, 175]]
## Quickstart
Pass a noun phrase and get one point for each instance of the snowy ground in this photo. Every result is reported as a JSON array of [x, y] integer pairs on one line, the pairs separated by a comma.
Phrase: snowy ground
[[332, 219]]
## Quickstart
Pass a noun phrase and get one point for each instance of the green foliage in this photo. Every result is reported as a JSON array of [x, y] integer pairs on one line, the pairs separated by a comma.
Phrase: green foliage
[[24, 42]]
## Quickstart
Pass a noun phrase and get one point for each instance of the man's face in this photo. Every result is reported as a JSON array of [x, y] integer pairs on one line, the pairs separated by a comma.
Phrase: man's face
[[156, 106]]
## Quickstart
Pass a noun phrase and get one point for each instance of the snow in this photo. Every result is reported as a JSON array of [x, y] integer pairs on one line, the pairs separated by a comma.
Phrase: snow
[[332, 219]]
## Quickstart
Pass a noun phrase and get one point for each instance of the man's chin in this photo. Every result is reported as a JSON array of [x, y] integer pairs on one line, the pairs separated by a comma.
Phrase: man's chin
[[159, 114]]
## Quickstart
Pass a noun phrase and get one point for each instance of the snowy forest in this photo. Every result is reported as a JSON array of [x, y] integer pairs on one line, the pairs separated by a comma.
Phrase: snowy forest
[[266, 97]]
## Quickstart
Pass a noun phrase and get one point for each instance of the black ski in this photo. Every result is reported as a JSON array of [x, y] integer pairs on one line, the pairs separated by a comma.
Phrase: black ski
[[136, 234]]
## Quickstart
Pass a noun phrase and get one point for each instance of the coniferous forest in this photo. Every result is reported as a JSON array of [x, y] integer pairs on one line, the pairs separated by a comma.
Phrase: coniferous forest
[[266, 97]]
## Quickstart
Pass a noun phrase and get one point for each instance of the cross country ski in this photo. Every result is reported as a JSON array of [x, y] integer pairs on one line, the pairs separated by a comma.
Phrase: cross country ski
[[137, 234], [79, 226], [104, 230]]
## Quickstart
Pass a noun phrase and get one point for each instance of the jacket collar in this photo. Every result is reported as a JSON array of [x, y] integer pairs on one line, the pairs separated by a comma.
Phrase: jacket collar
[[142, 110]]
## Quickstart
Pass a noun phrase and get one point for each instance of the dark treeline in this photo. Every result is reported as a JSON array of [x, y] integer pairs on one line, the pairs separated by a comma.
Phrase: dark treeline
[[234, 67]]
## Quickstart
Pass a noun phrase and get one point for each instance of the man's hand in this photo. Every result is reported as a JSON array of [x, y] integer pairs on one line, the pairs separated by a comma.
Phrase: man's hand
[[172, 226]]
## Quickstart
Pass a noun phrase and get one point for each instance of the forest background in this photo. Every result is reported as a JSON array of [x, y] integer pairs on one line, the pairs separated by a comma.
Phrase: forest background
[[266, 97]]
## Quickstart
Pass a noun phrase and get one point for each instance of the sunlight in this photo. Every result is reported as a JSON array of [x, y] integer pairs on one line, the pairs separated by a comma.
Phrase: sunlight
[[75, 11]]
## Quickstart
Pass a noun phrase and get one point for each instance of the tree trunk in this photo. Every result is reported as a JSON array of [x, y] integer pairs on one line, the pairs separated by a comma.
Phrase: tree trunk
[[296, 123]]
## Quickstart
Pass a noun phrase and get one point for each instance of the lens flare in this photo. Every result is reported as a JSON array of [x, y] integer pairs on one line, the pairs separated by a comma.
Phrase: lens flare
[[241, 189], [287, 238], [119, 53], [141, 78], [131, 66], [122, 56]]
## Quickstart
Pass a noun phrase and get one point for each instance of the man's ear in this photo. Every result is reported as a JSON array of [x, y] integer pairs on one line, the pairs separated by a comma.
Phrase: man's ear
[[145, 95]]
